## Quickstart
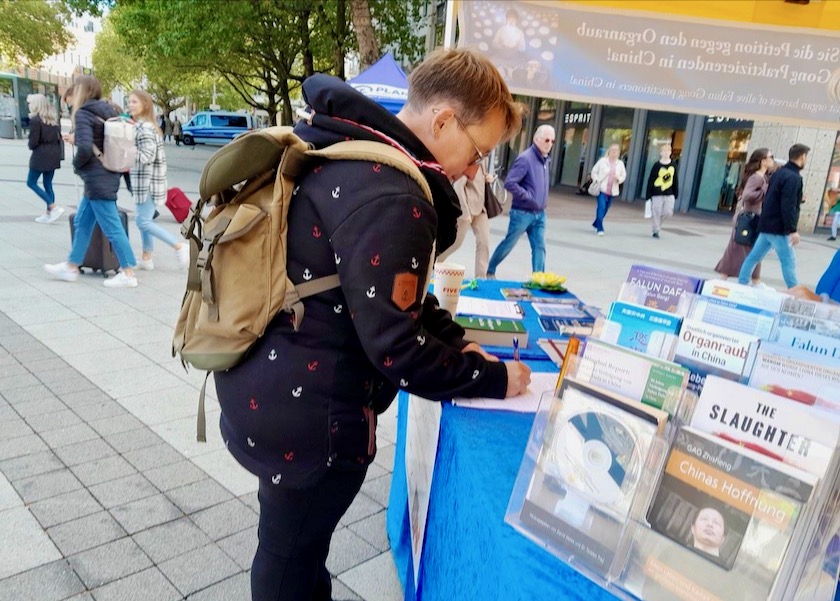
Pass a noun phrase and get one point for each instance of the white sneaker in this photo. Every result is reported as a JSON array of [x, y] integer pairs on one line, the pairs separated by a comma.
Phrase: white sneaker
[[45, 218], [61, 271], [147, 264], [53, 215], [121, 281], [183, 255], [601, 233]]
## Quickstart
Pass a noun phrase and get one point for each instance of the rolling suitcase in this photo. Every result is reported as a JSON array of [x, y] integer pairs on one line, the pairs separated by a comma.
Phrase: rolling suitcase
[[100, 254]]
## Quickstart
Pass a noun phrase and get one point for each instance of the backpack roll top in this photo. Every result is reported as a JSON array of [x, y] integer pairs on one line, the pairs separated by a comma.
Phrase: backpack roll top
[[119, 150]]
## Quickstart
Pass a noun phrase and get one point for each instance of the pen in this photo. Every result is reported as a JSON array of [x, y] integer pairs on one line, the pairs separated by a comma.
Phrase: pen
[[516, 348]]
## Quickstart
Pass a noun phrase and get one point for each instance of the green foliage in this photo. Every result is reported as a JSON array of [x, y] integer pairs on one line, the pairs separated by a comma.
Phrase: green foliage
[[396, 23], [32, 30]]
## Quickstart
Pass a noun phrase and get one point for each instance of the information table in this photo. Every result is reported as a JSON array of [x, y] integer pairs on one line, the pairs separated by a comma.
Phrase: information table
[[470, 553]]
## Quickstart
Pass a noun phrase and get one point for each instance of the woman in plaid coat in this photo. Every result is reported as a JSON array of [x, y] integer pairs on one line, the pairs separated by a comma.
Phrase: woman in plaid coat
[[148, 178]]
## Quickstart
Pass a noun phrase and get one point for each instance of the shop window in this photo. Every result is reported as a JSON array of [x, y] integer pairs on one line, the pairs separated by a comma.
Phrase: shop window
[[573, 142], [616, 128], [662, 128], [722, 160]]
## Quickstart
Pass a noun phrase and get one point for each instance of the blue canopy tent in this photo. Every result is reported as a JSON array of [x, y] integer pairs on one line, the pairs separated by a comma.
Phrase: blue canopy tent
[[384, 82]]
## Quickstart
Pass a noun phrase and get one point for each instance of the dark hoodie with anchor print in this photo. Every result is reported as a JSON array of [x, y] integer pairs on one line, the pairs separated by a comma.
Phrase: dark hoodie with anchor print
[[302, 402]]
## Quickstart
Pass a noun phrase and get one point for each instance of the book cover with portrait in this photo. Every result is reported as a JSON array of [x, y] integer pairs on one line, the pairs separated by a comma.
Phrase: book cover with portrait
[[717, 499]]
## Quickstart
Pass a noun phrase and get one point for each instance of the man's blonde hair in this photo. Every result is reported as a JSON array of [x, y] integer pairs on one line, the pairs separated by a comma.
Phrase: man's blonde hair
[[467, 80]]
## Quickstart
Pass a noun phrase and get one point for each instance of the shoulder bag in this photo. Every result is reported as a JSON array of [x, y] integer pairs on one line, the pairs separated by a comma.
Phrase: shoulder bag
[[491, 204], [746, 229]]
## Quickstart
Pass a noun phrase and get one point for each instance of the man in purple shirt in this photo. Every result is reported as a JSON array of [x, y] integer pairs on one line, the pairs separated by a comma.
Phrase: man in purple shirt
[[528, 182]]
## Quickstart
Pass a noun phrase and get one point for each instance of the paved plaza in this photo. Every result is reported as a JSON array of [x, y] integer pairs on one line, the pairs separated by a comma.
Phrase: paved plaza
[[104, 492]]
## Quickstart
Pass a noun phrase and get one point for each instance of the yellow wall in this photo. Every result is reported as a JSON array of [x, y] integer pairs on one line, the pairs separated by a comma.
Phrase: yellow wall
[[819, 14]]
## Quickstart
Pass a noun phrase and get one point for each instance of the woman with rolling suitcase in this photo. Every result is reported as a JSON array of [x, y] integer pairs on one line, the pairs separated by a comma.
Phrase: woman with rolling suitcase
[[148, 179], [99, 202]]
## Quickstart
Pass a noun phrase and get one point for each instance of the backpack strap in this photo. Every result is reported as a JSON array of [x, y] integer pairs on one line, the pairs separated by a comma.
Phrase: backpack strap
[[375, 152]]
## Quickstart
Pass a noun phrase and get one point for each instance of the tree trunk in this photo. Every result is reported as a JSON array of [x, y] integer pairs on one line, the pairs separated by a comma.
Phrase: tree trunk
[[306, 39], [368, 46], [340, 30], [287, 102]]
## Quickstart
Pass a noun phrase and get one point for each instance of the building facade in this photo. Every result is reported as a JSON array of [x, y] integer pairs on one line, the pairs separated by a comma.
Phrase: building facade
[[710, 151]]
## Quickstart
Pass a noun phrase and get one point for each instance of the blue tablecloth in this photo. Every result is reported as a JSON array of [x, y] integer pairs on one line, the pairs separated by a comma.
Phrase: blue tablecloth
[[470, 553]]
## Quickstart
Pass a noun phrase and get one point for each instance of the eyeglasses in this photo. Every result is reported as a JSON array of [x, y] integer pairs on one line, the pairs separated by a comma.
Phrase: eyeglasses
[[480, 154]]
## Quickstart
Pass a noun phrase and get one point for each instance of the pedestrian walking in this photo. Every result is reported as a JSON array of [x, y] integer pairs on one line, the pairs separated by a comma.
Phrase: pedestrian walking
[[306, 424], [662, 188], [149, 181], [99, 202], [779, 218], [177, 131], [527, 181], [167, 129], [610, 173], [473, 216], [47, 148], [750, 192]]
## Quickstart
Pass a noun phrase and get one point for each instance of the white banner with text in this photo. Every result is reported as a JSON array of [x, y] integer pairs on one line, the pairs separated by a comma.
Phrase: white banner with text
[[657, 62]]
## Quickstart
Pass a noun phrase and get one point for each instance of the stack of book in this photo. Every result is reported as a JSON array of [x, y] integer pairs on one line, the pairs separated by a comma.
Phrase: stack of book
[[691, 450]]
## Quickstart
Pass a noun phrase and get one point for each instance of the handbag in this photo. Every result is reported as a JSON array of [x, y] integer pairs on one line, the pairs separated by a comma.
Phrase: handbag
[[491, 204], [746, 229], [648, 209], [594, 188]]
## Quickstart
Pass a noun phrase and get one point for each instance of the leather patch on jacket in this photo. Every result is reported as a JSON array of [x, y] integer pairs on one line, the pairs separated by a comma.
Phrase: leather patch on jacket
[[404, 293]]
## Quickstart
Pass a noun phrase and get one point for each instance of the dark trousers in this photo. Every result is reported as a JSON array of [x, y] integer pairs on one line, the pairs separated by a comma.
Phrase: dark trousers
[[294, 537]]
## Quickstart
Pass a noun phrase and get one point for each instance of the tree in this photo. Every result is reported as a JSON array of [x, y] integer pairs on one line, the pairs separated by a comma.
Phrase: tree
[[365, 35], [33, 30], [114, 62]]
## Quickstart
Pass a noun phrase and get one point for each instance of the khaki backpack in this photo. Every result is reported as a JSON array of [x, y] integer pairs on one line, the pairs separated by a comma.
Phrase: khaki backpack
[[237, 280]]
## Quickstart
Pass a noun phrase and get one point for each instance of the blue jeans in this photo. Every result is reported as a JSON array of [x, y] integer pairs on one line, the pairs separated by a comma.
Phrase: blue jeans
[[104, 213], [604, 204], [47, 194], [520, 223], [149, 230], [784, 250]]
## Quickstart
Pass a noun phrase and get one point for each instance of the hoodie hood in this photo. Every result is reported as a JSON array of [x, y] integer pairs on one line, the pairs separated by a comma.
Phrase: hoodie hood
[[342, 112], [100, 108]]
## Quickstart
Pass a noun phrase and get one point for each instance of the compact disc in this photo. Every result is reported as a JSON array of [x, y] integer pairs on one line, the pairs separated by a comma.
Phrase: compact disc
[[598, 456]]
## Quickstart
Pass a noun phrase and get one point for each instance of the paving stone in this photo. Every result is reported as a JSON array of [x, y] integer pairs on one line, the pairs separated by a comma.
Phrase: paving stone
[[379, 490], [20, 342], [375, 580], [145, 513], [132, 440], [34, 355], [12, 368], [84, 398], [385, 456], [362, 507], [98, 410], [30, 393], [123, 490], [15, 428], [199, 495], [30, 465], [235, 588], [347, 550], [85, 452], [54, 420], [50, 582], [36, 407], [85, 533], [225, 519], [252, 501], [116, 424], [343, 592], [47, 485], [49, 362], [174, 475], [64, 508], [171, 539], [109, 562], [63, 382], [154, 456], [20, 446], [67, 436], [241, 547], [103, 470], [372, 529], [18, 381], [25, 544], [142, 586], [198, 569]]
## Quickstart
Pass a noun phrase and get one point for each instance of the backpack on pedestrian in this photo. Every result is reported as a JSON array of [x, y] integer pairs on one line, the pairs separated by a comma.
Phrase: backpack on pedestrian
[[119, 149], [237, 280]]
